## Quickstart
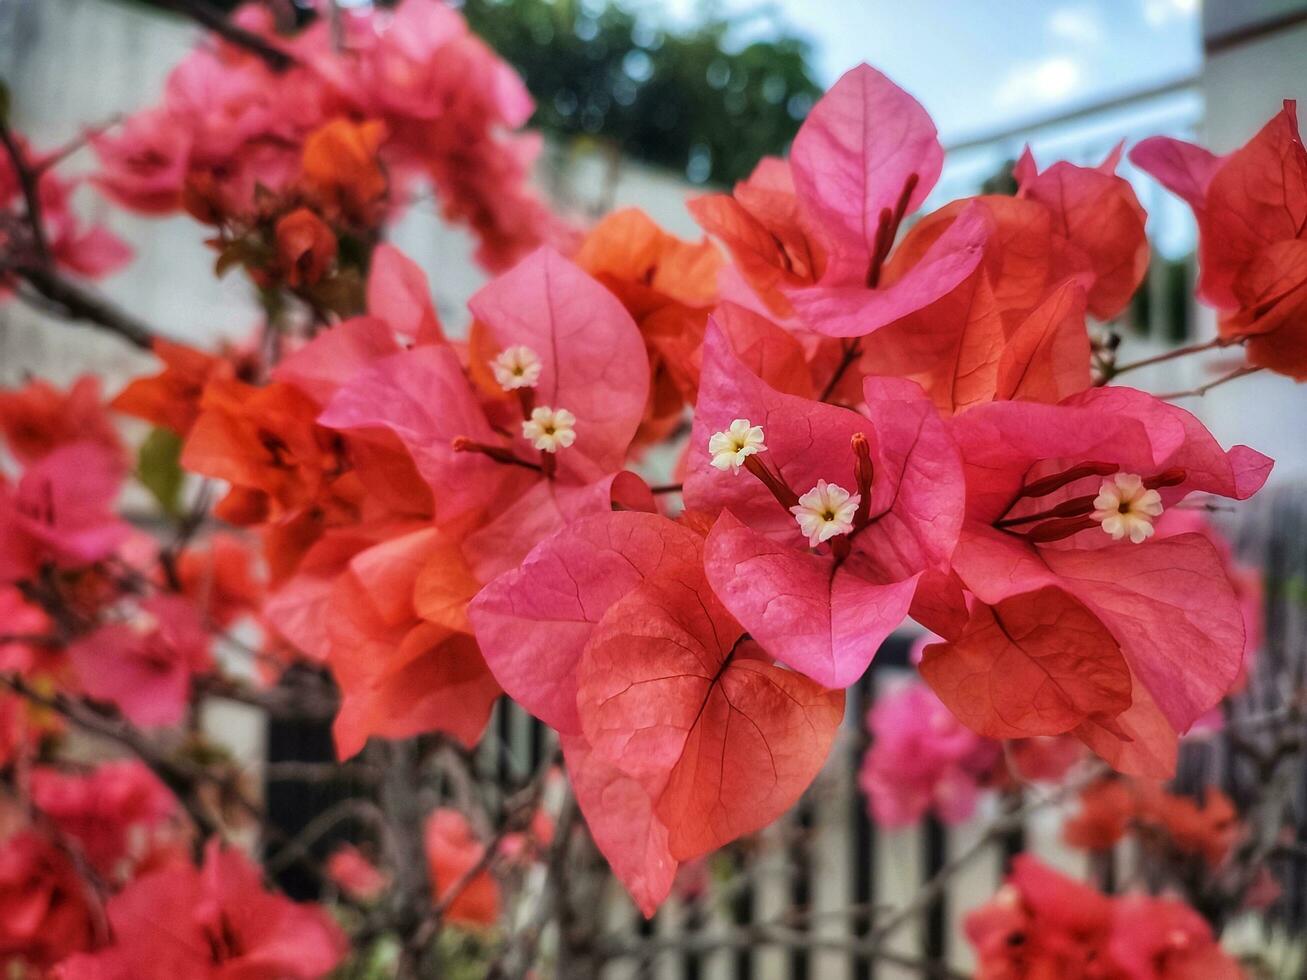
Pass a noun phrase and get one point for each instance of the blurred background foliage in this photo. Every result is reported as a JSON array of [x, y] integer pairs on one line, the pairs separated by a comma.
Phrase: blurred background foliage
[[684, 100]]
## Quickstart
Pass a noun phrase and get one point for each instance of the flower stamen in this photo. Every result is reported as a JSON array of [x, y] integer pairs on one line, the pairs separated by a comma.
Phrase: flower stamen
[[732, 446], [825, 511], [1125, 507], [550, 429], [517, 367], [863, 473]]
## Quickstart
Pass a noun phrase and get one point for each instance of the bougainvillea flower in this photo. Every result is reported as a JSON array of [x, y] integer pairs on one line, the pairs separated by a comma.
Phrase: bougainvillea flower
[[221, 577], [760, 225], [341, 168], [1040, 924], [821, 231], [355, 875], [229, 130], [922, 760], [863, 308], [609, 624], [452, 852], [1038, 663], [668, 286], [22, 619], [534, 621], [1208, 829], [221, 925], [680, 708], [60, 512], [264, 443], [104, 808], [144, 666], [143, 164], [38, 418], [1097, 227], [44, 909], [306, 247], [863, 143], [593, 365], [1158, 938], [284, 471], [866, 156], [1251, 208], [399, 675], [1033, 474], [825, 611], [1107, 808], [171, 398], [399, 294]]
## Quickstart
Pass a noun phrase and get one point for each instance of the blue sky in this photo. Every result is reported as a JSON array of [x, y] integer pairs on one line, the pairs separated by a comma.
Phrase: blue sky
[[981, 66]]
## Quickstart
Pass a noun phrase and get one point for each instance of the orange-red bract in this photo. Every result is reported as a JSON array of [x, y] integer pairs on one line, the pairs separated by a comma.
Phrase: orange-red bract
[[171, 398], [722, 741], [452, 853], [1034, 664], [306, 247], [342, 169]]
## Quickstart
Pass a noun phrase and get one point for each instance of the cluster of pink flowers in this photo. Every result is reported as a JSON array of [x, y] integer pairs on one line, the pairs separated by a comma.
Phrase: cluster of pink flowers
[[369, 106]]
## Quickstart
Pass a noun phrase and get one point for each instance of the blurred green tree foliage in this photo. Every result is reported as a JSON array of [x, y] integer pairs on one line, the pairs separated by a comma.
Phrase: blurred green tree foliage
[[688, 100]]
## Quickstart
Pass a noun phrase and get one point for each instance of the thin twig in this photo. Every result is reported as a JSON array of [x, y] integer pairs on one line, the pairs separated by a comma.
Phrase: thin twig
[[74, 302], [297, 849], [1170, 355], [213, 19], [28, 181], [1204, 389], [183, 777], [518, 955], [771, 934]]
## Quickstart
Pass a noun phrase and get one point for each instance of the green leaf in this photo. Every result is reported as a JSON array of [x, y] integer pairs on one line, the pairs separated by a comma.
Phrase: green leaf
[[158, 467]]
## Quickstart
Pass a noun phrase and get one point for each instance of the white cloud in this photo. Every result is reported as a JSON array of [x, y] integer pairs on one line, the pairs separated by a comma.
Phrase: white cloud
[[1079, 25], [1039, 83], [1160, 12]]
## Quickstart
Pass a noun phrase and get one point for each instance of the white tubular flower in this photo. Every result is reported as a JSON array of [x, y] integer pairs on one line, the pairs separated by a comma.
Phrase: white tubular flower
[[825, 511], [517, 367], [1124, 507], [550, 429], [730, 448]]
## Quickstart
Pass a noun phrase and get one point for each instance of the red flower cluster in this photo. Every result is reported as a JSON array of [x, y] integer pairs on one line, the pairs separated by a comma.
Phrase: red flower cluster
[[1044, 925]]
